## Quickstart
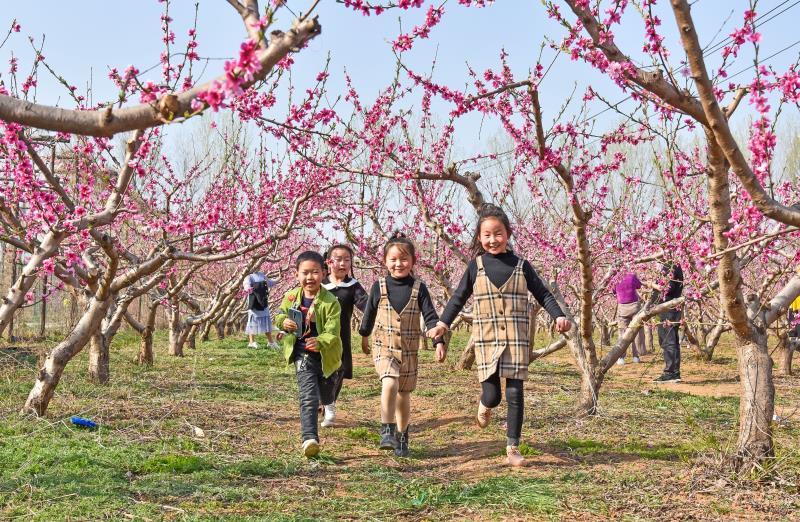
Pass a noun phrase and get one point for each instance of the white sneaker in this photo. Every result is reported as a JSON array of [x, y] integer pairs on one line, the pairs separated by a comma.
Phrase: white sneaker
[[253, 345], [636, 360], [621, 361], [330, 415], [311, 448], [274, 346]]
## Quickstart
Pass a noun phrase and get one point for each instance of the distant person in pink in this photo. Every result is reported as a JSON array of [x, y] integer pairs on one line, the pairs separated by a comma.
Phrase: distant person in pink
[[628, 304]]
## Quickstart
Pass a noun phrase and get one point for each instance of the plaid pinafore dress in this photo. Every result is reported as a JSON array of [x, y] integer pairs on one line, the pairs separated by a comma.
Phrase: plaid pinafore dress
[[501, 325], [395, 339]]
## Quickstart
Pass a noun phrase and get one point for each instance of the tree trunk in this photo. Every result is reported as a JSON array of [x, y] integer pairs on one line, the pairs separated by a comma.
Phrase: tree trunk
[[648, 338], [192, 337], [756, 405], [43, 319], [206, 335], [99, 371], [467, 358], [219, 326], [605, 333], [175, 326], [789, 346], [16, 294], [50, 373], [590, 390], [146, 345]]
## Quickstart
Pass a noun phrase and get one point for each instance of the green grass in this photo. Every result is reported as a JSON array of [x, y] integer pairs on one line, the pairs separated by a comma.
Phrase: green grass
[[147, 461]]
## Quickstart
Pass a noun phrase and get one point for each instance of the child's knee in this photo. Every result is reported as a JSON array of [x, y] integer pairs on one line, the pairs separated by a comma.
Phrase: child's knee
[[490, 397]]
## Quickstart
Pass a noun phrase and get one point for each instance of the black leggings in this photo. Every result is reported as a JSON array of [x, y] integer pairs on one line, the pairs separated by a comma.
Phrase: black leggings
[[491, 397]]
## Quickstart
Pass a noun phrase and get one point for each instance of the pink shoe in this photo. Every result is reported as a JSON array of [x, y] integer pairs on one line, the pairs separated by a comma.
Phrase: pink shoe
[[484, 415], [513, 457]]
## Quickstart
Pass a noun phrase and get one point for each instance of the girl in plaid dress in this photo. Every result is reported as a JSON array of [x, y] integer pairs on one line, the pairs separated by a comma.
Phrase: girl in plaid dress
[[500, 283], [393, 313]]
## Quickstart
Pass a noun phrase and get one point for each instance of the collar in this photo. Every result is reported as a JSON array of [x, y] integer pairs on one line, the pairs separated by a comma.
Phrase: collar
[[344, 284]]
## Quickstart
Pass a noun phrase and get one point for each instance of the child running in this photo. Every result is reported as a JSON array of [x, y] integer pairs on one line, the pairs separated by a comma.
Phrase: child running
[[312, 343], [350, 294], [393, 311], [499, 282]]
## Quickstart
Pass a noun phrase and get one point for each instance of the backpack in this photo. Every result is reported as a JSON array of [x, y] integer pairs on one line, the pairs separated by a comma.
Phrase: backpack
[[258, 299]]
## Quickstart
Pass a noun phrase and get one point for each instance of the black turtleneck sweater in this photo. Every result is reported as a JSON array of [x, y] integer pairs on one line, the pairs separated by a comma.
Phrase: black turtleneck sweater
[[498, 269], [399, 292]]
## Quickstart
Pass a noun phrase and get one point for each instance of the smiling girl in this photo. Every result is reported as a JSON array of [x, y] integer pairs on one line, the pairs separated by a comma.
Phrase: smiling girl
[[500, 283], [393, 311]]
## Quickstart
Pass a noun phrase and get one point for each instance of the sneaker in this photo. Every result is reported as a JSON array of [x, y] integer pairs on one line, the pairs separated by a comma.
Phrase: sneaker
[[388, 437], [310, 448], [484, 415], [274, 346], [621, 361], [253, 345], [402, 444], [667, 378], [330, 415], [636, 360], [513, 457]]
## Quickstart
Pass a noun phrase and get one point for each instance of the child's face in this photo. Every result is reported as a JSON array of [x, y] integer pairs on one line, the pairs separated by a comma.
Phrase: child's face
[[398, 262], [493, 236], [309, 275], [340, 263]]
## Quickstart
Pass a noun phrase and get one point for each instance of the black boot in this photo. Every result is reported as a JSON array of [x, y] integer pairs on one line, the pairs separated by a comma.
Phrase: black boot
[[402, 443], [388, 436]]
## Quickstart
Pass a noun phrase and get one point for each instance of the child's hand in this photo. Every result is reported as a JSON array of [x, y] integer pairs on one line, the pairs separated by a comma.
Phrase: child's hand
[[437, 331], [563, 324], [289, 325], [365, 345], [311, 344], [279, 335], [441, 352]]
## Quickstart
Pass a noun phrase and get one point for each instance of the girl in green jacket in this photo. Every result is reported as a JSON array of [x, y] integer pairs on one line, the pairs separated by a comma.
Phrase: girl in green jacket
[[313, 345]]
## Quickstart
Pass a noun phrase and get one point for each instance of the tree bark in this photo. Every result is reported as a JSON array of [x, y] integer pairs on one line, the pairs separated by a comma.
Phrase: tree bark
[[145, 355], [756, 405], [99, 370], [110, 121], [175, 327], [788, 348], [467, 358], [589, 392], [50, 373]]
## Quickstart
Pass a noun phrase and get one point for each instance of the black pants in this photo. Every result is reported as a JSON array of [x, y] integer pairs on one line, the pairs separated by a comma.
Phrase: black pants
[[491, 396], [668, 340], [314, 389]]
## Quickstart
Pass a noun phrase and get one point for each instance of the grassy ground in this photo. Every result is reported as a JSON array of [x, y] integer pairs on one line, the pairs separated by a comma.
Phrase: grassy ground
[[215, 435]]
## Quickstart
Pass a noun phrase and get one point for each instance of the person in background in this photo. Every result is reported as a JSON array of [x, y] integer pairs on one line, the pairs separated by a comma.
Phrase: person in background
[[628, 305], [794, 322], [258, 320], [669, 321]]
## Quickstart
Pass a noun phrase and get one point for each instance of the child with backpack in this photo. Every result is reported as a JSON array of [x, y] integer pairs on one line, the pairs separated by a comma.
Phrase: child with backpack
[[257, 285]]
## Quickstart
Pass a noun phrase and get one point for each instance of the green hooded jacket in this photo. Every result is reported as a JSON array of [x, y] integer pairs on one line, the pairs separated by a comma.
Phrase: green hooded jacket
[[327, 312]]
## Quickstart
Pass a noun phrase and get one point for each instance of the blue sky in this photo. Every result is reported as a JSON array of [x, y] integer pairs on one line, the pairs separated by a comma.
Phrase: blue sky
[[84, 39]]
